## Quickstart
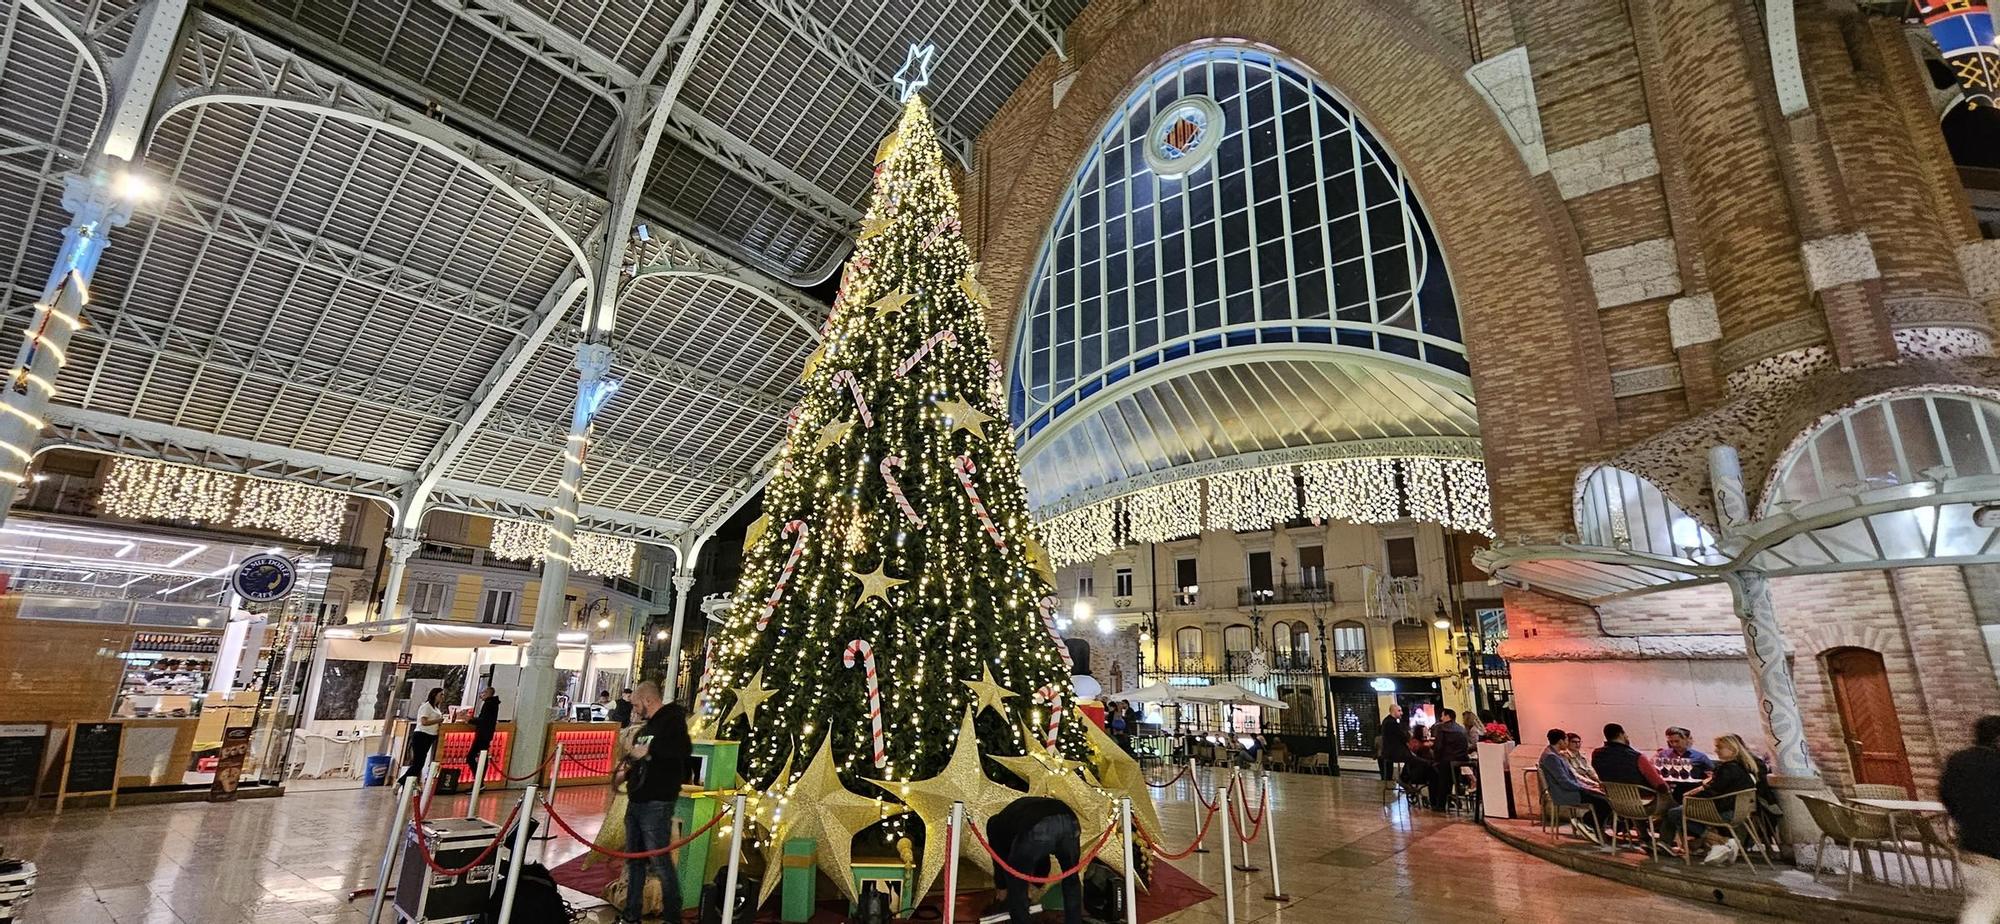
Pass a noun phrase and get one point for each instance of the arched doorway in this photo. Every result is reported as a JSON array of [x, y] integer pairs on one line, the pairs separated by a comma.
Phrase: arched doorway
[[1870, 727]]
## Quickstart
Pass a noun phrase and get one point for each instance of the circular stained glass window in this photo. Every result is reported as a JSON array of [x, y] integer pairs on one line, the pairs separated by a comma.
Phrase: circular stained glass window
[[1184, 136]]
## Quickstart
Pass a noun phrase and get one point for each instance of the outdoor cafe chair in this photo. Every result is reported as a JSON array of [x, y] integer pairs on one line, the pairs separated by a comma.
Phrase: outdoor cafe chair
[[1628, 804]]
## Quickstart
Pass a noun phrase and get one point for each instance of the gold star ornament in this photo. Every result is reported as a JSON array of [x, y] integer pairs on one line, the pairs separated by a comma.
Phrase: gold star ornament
[[832, 433], [1053, 777], [989, 695], [1117, 772], [755, 532], [767, 810], [876, 585], [963, 416], [748, 697], [822, 809], [961, 780], [891, 303], [872, 227]]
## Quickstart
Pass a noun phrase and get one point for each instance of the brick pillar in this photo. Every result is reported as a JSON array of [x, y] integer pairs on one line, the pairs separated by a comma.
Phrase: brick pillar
[[1952, 664], [1738, 188]]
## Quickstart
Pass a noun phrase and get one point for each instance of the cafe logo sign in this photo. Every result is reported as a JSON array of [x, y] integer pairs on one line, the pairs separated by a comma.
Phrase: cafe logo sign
[[265, 577]]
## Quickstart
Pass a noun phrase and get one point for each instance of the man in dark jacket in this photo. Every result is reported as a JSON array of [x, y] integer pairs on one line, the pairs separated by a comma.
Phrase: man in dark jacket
[[1453, 748], [652, 774], [1619, 762], [622, 712], [483, 726], [1970, 790], [1028, 832], [1395, 742]]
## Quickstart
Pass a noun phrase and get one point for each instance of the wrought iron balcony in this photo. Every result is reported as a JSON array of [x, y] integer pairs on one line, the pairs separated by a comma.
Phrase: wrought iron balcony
[[1413, 660]]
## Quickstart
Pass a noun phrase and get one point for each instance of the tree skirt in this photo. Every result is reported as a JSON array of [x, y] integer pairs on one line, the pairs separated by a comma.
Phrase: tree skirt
[[1172, 891]]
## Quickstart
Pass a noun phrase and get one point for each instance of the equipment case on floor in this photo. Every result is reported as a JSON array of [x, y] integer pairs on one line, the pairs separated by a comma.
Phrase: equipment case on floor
[[16, 884], [425, 897]]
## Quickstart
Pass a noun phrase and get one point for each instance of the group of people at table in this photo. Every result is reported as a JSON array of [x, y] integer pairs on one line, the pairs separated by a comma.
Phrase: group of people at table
[[1673, 773]]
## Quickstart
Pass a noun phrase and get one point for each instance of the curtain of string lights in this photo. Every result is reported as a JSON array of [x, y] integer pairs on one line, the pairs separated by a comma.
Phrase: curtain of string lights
[[1450, 492], [591, 553], [141, 489]]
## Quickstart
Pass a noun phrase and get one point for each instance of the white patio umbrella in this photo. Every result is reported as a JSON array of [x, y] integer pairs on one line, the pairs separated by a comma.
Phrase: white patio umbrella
[[1162, 693], [1230, 694]]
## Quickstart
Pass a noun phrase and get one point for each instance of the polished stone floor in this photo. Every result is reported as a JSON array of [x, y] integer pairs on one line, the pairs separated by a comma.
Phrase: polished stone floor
[[1346, 857]]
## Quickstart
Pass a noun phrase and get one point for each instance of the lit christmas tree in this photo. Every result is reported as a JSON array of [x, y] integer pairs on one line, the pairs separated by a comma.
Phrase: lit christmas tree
[[893, 593]]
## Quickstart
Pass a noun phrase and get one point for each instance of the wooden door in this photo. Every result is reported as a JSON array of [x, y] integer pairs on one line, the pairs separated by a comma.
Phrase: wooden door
[[1868, 719]]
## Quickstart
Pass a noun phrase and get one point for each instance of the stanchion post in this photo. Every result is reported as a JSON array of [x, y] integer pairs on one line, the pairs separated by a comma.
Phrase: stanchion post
[[1228, 867], [1131, 862], [555, 770], [517, 855], [1247, 866], [1271, 840], [478, 783], [735, 857], [952, 837], [1195, 781], [389, 852]]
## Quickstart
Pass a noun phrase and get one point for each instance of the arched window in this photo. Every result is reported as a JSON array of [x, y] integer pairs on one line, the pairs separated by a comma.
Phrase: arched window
[[1350, 647], [1187, 648], [1413, 647], [1232, 200], [1281, 639], [1615, 507], [1886, 442]]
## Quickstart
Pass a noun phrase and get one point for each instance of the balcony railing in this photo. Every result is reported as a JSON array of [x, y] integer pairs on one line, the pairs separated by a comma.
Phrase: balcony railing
[[1413, 660], [1283, 593]]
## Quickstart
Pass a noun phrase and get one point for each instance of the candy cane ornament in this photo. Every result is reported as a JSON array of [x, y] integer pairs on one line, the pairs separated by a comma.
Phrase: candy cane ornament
[[854, 386], [866, 652], [943, 336], [1049, 605], [965, 468], [1053, 696], [785, 575], [896, 490]]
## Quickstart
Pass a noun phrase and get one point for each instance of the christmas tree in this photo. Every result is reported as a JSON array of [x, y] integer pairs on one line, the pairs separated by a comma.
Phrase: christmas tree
[[890, 632]]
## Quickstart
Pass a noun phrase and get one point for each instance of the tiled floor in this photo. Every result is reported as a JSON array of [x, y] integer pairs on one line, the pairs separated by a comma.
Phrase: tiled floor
[[293, 860]]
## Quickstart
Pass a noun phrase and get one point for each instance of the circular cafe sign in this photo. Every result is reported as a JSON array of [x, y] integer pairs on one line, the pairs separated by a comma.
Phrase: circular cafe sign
[[264, 578], [1184, 136]]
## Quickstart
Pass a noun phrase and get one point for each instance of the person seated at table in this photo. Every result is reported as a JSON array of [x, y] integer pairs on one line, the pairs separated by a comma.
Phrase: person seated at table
[[1421, 744], [1567, 788], [1619, 762], [1680, 764], [1453, 749], [1735, 770], [1572, 751]]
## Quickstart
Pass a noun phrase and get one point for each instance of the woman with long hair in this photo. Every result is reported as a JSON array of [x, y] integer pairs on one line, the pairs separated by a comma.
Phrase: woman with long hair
[[1736, 769]]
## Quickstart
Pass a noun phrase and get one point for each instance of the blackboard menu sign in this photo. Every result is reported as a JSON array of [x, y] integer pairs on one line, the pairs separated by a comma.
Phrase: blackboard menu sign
[[22, 746], [93, 760]]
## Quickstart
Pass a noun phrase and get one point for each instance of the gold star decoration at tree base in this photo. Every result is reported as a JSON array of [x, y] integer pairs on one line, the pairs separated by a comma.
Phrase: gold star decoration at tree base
[[961, 780], [1119, 773], [767, 810], [1051, 776], [818, 807]]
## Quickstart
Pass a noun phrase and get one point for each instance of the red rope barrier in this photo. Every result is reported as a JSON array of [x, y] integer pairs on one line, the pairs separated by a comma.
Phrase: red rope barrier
[[424, 843], [1176, 778], [544, 765], [622, 855], [1211, 806], [1080, 866], [1242, 790], [587, 768], [1246, 831], [1200, 836]]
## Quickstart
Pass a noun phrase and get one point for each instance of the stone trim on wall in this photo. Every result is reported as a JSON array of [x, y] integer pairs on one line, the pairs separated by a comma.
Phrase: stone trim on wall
[[1942, 342], [1645, 381], [1773, 344], [1823, 637], [1839, 260], [1508, 84], [1692, 320], [1635, 273], [1633, 648], [1613, 160], [1980, 262]]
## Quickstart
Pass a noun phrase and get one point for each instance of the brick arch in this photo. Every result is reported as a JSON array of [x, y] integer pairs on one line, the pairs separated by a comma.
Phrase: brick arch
[[1828, 636], [1538, 365]]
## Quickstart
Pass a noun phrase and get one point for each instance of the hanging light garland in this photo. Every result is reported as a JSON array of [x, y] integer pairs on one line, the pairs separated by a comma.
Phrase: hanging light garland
[[142, 489], [590, 553], [297, 510], [1450, 492]]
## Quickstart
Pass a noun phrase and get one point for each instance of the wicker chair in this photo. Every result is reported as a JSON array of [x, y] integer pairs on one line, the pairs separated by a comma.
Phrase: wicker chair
[[1879, 791], [1741, 822], [1554, 815], [1629, 805], [1853, 830]]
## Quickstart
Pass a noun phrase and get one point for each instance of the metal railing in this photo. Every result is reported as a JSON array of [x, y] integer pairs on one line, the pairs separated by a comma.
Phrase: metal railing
[[1283, 594], [1413, 660]]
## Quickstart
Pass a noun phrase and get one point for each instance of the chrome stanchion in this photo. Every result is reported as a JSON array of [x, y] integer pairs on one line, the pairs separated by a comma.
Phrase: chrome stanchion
[[1195, 781], [735, 857], [555, 770], [1271, 840], [1246, 866], [478, 783], [518, 854], [1228, 869], [1131, 864], [952, 838], [395, 840]]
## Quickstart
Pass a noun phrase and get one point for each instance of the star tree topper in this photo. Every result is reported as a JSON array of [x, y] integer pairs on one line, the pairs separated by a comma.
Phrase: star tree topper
[[916, 72]]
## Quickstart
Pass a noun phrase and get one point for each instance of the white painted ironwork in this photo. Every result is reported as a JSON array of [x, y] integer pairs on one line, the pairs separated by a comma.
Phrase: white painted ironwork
[[1897, 439], [1618, 509]]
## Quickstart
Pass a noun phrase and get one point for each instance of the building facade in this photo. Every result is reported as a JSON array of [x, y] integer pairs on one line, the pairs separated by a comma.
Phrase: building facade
[[1725, 309]]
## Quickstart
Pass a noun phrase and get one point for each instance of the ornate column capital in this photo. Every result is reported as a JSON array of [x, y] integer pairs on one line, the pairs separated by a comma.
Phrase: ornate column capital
[[96, 200], [403, 545], [593, 360], [683, 582]]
